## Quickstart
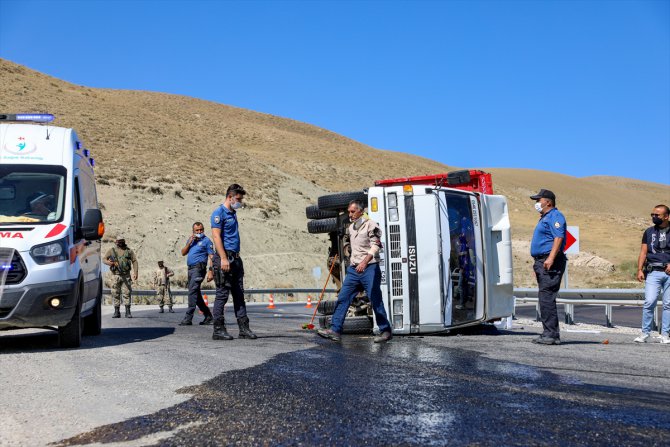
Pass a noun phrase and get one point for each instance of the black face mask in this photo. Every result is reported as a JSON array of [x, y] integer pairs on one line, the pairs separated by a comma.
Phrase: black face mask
[[121, 244], [657, 220]]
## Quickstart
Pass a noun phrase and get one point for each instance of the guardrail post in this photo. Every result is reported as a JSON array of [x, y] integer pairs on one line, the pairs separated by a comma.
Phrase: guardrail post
[[656, 323], [569, 313], [538, 316], [608, 315]]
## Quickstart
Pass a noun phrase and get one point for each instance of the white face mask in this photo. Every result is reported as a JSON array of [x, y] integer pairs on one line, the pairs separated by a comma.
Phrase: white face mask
[[538, 207], [236, 205]]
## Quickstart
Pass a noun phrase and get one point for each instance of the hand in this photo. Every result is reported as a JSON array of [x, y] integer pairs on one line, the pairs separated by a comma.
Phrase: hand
[[640, 275], [667, 269], [548, 263], [134, 276], [210, 276], [360, 268], [225, 265]]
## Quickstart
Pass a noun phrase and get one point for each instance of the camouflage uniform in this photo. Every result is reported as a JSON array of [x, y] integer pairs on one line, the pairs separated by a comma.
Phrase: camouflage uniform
[[121, 281], [161, 281]]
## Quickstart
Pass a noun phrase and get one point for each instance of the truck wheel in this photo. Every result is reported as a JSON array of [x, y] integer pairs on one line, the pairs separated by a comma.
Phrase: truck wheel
[[314, 212], [322, 225], [351, 325], [70, 335], [93, 323], [340, 201], [327, 307]]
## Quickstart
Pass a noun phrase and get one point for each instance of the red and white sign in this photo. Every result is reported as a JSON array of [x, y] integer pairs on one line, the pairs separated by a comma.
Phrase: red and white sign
[[571, 241]]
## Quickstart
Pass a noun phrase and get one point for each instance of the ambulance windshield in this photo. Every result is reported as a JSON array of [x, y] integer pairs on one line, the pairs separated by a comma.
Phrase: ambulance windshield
[[31, 194]]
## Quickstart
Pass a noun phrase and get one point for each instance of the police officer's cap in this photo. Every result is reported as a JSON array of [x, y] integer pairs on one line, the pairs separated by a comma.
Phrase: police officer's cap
[[544, 194]]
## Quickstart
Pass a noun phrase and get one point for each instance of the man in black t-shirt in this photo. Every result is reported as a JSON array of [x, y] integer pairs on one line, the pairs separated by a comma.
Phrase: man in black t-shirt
[[653, 267]]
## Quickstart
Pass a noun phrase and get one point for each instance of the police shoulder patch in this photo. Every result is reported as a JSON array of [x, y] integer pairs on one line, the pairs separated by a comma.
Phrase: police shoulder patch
[[217, 219], [557, 224]]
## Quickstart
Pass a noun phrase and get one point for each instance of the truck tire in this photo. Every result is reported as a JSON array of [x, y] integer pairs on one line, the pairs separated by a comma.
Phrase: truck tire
[[93, 322], [69, 336], [340, 201], [314, 212], [322, 225], [351, 325], [327, 307]]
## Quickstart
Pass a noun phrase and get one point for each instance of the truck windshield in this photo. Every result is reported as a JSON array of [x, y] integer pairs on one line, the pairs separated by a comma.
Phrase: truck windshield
[[31, 193]]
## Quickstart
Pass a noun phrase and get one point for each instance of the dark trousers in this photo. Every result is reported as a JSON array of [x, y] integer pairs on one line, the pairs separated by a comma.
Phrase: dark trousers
[[548, 284], [227, 283], [196, 275]]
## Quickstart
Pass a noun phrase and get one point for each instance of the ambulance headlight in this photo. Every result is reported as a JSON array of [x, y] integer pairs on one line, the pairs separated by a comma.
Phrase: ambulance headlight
[[50, 252], [393, 214], [392, 200]]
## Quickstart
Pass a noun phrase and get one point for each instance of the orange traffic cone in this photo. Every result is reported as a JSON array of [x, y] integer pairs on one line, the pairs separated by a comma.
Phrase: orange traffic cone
[[272, 303], [309, 302], [204, 298]]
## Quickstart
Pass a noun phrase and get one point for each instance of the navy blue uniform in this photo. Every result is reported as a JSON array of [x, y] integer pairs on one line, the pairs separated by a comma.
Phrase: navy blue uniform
[[232, 281], [551, 225], [196, 260]]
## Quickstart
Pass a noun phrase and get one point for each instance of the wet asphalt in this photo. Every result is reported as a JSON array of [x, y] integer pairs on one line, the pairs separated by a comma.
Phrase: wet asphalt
[[406, 392]]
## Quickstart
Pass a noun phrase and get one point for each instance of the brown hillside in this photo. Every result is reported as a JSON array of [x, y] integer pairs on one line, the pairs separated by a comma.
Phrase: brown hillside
[[164, 161]]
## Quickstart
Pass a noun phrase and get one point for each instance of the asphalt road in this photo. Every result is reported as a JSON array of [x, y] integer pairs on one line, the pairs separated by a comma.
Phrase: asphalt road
[[145, 381]]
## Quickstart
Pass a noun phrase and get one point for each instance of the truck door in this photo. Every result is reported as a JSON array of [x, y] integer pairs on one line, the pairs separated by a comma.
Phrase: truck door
[[460, 230]]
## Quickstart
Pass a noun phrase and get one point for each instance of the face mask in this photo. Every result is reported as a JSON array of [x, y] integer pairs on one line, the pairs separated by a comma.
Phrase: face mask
[[199, 235], [236, 205], [657, 220], [538, 207]]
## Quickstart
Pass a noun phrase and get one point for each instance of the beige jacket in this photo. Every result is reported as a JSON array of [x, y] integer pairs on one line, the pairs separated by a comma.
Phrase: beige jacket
[[162, 277], [363, 241]]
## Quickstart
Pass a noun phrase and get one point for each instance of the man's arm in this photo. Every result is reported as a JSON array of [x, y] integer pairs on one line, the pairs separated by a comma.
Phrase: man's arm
[[135, 266], [640, 262], [169, 273], [555, 248], [210, 274], [218, 246], [187, 247]]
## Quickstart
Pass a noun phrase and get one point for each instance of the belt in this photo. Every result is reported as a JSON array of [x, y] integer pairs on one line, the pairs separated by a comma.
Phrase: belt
[[233, 254], [199, 265], [546, 255], [656, 269]]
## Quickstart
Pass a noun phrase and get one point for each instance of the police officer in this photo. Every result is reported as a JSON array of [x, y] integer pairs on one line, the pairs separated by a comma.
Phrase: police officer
[[121, 260], [653, 267], [161, 281], [547, 248], [227, 263], [198, 251]]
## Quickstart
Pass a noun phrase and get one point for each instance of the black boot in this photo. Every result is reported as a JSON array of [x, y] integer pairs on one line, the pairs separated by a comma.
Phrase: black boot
[[117, 314], [220, 331], [128, 312], [161, 311], [187, 321], [170, 309], [245, 332]]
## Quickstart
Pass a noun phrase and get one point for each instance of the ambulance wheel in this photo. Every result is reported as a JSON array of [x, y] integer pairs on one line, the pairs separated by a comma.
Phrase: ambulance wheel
[[340, 201], [351, 325], [69, 336], [327, 307], [322, 225], [93, 323], [314, 212]]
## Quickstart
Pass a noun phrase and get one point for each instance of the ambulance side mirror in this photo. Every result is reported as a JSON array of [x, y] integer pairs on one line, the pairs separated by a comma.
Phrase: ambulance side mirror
[[93, 227]]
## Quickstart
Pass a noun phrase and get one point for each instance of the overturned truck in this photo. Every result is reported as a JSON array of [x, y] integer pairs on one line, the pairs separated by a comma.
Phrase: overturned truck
[[446, 259]]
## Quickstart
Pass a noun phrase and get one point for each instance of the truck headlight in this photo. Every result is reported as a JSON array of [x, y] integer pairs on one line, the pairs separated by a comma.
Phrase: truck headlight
[[50, 252]]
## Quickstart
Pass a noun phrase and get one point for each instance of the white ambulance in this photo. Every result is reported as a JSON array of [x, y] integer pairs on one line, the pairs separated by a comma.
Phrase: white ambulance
[[447, 255], [50, 230]]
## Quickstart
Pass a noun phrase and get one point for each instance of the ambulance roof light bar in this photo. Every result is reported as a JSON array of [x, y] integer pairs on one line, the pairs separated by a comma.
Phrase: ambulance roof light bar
[[28, 117], [468, 180]]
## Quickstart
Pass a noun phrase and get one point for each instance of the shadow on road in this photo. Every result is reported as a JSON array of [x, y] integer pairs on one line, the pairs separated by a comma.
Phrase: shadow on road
[[47, 340]]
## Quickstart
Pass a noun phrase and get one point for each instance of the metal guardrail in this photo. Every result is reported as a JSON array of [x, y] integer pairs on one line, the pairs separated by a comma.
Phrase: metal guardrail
[[590, 297], [251, 295]]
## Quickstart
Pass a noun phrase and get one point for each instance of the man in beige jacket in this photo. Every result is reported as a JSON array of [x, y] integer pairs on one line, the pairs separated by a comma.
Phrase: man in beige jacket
[[362, 240]]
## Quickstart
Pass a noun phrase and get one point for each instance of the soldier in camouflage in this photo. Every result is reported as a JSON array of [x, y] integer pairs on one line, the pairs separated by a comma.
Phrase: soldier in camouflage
[[161, 282], [121, 260]]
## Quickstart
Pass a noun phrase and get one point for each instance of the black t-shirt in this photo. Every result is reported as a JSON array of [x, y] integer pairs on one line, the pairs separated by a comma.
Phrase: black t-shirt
[[658, 244]]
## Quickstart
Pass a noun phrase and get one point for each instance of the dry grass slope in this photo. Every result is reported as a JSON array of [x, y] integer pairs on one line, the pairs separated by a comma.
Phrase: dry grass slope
[[164, 161]]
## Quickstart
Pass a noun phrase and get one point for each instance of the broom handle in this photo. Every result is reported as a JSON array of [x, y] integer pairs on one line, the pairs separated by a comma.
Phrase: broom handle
[[330, 272]]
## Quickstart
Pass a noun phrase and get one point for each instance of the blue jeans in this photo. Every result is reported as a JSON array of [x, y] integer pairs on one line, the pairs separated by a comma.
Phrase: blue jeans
[[657, 283], [371, 280]]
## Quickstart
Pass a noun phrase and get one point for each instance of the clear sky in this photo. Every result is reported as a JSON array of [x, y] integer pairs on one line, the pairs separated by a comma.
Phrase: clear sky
[[577, 87]]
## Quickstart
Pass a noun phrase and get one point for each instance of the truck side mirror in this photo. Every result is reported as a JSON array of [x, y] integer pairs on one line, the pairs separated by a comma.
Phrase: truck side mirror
[[93, 227]]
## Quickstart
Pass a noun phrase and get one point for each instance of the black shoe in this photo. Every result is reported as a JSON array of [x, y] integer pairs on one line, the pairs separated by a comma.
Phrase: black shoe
[[117, 314], [170, 310], [128, 314], [161, 310], [245, 332], [207, 321], [547, 341], [186, 323]]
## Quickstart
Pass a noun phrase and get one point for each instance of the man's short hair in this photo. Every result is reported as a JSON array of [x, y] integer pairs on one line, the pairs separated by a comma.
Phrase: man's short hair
[[665, 207], [358, 204], [198, 224], [235, 189]]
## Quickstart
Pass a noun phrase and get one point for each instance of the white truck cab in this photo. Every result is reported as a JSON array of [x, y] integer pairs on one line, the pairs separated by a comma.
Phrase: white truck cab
[[446, 260], [50, 230]]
